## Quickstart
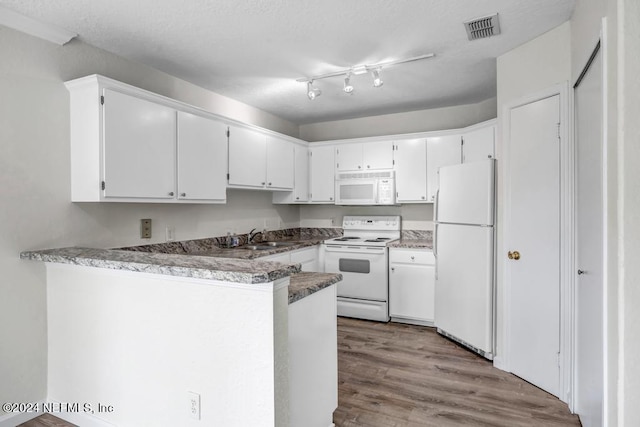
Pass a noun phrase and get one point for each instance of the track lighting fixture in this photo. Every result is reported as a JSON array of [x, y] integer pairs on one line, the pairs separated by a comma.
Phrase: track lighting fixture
[[348, 87], [375, 69], [377, 81], [312, 92]]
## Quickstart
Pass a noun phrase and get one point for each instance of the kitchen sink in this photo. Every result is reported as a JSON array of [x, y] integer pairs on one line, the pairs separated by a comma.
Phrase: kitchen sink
[[278, 244], [256, 247]]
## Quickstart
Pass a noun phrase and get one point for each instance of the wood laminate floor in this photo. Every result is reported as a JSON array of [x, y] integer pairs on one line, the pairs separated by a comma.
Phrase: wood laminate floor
[[395, 375]]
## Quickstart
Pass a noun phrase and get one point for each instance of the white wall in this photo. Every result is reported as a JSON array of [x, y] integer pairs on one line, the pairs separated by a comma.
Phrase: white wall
[[530, 68], [414, 217], [35, 212], [410, 122]]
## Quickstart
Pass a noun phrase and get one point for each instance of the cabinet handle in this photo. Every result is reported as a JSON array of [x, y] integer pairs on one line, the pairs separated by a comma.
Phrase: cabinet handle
[[298, 198], [359, 167], [413, 258], [368, 166], [269, 184], [330, 198], [263, 183], [424, 197], [393, 269], [171, 193], [183, 194]]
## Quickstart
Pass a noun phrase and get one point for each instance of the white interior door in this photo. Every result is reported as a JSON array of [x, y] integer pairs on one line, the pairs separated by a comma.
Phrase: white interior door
[[589, 291], [533, 230]]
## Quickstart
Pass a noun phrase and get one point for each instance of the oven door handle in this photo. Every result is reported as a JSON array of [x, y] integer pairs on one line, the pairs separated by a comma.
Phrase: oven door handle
[[346, 250]]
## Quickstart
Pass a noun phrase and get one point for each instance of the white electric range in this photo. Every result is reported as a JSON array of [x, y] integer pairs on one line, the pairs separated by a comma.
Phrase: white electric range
[[361, 256]]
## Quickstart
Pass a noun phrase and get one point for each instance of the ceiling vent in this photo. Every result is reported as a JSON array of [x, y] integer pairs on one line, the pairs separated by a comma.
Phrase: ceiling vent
[[484, 27]]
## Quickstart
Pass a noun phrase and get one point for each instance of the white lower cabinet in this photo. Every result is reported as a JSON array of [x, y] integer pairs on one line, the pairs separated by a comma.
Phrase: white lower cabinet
[[307, 257], [411, 285]]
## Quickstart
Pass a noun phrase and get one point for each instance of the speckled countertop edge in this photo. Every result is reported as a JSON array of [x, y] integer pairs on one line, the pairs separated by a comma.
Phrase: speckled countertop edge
[[200, 267], [412, 243], [304, 284]]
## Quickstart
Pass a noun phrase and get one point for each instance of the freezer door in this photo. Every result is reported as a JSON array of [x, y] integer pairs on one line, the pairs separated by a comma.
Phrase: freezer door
[[464, 283], [466, 193]]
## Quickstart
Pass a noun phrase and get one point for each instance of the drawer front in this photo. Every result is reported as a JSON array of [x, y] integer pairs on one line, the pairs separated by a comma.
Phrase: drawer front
[[411, 256], [305, 255]]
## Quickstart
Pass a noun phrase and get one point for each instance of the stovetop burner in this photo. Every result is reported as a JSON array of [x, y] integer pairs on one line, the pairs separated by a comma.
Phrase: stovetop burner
[[345, 239]]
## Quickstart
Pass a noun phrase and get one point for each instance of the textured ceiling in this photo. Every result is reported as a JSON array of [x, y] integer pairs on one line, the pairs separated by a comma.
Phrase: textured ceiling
[[254, 50]]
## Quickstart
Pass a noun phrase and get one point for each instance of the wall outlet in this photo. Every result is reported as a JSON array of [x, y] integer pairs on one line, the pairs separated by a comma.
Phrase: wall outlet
[[194, 405], [145, 228], [170, 233]]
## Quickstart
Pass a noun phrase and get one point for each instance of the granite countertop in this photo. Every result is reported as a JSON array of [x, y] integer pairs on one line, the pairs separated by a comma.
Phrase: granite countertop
[[412, 243], [240, 253], [200, 267], [305, 284]]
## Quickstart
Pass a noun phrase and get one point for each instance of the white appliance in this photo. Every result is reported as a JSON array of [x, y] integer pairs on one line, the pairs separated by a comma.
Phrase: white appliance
[[464, 250], [361, 256], [366, 188]]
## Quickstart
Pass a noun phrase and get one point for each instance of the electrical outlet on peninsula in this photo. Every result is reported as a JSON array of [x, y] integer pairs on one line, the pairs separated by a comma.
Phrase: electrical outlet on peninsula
[[145, 228], [194, 405]]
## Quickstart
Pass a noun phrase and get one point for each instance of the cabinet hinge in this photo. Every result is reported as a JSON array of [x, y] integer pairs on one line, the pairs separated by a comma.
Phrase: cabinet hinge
[[101, 99], [102, 185], [227, 177], [462, 140], [558, 130], [393, 162], [228, 133], [338, 165], [558, 359]]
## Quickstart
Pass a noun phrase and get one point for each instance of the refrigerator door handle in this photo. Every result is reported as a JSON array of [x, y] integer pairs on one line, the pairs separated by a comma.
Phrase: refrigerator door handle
[[435, 206], [435, 249]]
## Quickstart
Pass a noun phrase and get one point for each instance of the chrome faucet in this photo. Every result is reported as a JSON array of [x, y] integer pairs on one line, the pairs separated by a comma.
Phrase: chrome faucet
[[252, 235]]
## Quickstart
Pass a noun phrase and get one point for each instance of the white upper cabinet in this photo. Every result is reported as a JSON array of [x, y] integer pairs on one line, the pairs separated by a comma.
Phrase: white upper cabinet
[[377, 155], [410, 158], [139, 147], [259, 161], [349, 157], [247, 157], [478, 144], [362, 156], [441, 151], [280, 163], [130, 145], [202, 158], [321, 175], [300, 193]]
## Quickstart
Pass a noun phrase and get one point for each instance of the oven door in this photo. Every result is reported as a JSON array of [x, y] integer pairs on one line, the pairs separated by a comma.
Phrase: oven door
[[363, 269]]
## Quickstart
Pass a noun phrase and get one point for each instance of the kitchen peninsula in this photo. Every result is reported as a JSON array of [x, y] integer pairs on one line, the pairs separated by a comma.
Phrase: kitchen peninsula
[[145, 333]]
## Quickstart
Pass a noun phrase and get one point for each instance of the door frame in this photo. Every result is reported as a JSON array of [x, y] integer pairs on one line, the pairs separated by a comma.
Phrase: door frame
[[601, 46], [567, 224]]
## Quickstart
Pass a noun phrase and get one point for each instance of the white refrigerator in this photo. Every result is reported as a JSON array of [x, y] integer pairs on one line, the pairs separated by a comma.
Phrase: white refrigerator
[[464, 214]]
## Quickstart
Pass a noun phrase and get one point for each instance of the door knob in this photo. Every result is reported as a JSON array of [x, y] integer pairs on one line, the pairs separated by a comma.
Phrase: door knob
[[514, 255]]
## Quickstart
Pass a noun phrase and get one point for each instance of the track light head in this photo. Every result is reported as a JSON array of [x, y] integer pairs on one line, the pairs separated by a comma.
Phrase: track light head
[[377, 81], [312, 92], [348, 87]]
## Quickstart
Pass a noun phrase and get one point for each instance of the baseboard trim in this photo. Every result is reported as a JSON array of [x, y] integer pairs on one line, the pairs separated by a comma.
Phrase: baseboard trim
[[498, 362], [14, 419]]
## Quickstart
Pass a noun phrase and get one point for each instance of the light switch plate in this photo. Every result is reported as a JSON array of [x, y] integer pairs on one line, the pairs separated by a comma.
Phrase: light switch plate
[[145, 228]]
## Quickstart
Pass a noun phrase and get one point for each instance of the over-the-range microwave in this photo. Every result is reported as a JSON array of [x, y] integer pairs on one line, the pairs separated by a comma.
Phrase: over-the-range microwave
[[366, 188]]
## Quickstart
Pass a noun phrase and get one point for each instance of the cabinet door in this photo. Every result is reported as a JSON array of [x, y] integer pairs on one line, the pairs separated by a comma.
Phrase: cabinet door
[[411, 170], [247, 157], [301, 174], [478, 145], [202, 158], [441, 151], [411, 291], [377, 155], [322, 179], [279, 163], [349, 157], [139, 148]]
